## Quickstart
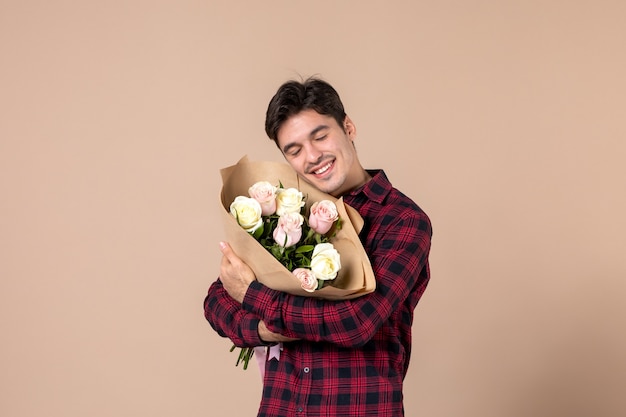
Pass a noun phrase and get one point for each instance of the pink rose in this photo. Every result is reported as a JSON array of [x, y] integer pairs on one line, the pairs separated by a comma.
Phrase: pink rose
[[307, 279], [265, 194], [289, 229], [323, 215]]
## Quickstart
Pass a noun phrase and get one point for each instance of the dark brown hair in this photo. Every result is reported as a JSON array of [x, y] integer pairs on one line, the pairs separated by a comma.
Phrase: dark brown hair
[[295, 96]]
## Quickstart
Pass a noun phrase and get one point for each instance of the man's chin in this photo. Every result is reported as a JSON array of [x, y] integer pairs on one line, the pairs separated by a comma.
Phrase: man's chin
[[319, 184]]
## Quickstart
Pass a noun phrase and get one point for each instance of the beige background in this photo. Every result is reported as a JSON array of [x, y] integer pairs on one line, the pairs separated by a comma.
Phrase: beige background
[[503, 120]]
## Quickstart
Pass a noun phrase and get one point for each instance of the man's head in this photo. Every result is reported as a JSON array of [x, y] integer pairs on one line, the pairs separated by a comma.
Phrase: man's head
[[308, 123], [293, 97]]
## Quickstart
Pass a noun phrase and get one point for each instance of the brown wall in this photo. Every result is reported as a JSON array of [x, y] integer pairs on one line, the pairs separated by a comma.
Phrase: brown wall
[[503, 120]]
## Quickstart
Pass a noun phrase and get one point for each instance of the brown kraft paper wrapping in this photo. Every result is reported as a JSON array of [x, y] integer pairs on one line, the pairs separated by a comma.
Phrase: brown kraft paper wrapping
[[355, 278]]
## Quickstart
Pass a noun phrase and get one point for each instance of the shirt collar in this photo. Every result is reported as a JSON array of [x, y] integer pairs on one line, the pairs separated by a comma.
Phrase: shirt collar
[[375, 189]]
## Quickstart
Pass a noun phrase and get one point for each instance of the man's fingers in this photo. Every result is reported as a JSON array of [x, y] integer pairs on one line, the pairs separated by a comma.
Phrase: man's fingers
[[224, 263], [228, 253], [226, 249]]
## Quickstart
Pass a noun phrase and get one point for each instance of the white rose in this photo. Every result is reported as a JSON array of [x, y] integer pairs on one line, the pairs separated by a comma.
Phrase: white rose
[[265, 193], [288, 200], [247, 211], [325, 262]]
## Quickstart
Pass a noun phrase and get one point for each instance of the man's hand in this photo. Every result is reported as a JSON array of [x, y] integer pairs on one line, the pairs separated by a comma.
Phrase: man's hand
[[235, 275], [268, 336]]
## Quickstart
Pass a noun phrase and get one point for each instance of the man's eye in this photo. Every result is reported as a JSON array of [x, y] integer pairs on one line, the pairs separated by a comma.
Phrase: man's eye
[[321, 137]]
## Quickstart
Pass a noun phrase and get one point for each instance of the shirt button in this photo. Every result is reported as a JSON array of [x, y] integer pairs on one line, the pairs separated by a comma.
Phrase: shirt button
[[299, 409], [306, 370]]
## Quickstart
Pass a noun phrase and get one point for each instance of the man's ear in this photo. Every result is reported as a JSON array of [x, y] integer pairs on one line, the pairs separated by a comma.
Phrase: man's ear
[[349, 128]]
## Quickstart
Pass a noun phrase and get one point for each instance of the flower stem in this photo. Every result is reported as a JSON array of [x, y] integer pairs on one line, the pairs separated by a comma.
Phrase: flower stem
[[244, 356]]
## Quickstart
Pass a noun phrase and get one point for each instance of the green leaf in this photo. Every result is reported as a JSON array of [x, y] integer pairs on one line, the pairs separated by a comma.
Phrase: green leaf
[[277, 251], [305, 248], [258, 233]]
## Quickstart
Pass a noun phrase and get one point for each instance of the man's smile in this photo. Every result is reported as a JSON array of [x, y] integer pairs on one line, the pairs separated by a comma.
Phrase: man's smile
[[323, 169]]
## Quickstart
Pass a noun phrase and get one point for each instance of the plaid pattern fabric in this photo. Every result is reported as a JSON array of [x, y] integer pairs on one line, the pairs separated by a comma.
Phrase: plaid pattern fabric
[[354, 354]]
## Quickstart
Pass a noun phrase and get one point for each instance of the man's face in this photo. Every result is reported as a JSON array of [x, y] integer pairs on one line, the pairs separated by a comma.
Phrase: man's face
[[321, 151]]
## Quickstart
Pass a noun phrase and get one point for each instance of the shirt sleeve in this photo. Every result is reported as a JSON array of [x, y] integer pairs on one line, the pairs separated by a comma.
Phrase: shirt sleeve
[[399, 258], [228, 319]]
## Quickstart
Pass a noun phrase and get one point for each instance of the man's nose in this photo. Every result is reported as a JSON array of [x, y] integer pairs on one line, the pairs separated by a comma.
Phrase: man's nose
[[313, 154]]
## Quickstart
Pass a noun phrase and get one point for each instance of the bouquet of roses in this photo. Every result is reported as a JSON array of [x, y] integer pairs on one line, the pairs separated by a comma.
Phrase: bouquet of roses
[[275, 216], [291, 234]]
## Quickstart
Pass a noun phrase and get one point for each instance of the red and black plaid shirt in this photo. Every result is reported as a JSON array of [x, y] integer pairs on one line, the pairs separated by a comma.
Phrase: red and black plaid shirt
[[353, 355]]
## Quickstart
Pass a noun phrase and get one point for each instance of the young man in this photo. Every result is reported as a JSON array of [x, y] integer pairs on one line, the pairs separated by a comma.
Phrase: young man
[[339, 358]]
